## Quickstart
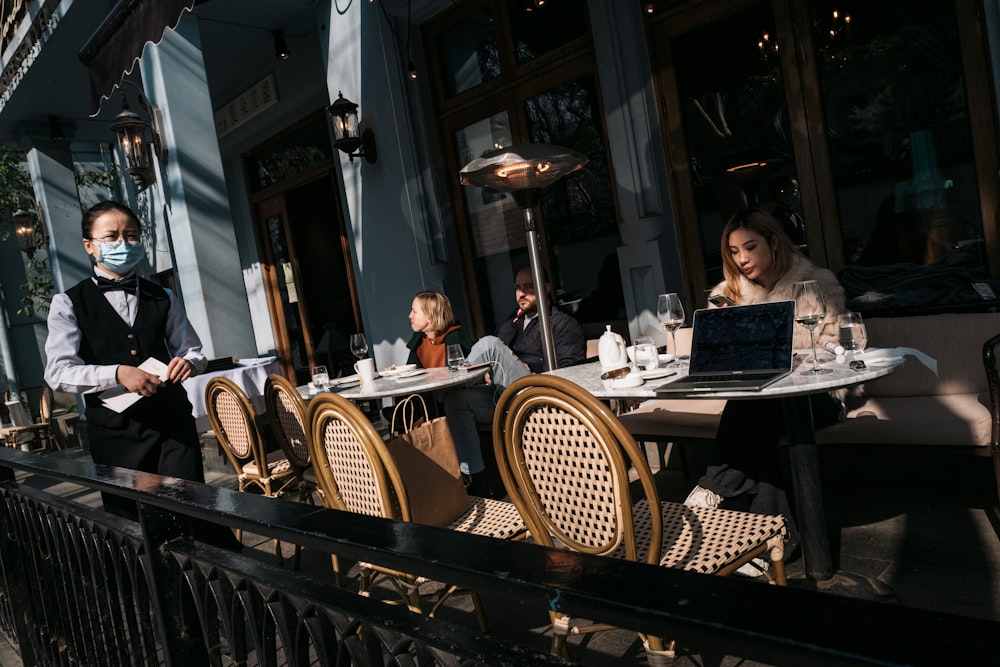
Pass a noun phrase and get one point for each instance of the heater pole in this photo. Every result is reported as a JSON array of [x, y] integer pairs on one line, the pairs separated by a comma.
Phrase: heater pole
[[541, 294]]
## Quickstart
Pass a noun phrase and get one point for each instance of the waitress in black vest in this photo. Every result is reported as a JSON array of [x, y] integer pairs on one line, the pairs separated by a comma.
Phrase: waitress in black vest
[[101, 330]]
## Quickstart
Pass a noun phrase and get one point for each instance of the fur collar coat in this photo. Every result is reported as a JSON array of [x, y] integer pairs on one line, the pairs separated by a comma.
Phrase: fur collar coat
[[801, 269]]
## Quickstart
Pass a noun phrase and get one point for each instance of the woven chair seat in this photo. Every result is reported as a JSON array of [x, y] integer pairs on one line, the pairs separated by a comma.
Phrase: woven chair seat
[[277, 465], [490, 518], [703, 540]]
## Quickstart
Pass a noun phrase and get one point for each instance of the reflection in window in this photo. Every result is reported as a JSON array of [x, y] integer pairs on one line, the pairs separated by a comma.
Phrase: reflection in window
[[540, 30], [580, 206], [901, 152], [468, 54]]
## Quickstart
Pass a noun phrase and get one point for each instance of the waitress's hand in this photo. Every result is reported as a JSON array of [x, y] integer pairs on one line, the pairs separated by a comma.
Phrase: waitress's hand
[[138, 380], [179, 369]]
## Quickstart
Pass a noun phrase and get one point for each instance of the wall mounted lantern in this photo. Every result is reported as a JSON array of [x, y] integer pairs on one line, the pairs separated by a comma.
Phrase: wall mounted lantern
[[137, 145], [346, 136], [26, 226]]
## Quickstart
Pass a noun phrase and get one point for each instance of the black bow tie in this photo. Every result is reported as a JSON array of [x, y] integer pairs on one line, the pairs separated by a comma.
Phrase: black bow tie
[[130, 284]]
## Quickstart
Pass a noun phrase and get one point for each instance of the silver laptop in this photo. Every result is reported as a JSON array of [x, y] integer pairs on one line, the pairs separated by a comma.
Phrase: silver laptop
[[738, 348]]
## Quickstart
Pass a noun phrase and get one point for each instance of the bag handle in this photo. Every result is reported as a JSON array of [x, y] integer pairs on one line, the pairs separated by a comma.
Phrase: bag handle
[[408, 413]]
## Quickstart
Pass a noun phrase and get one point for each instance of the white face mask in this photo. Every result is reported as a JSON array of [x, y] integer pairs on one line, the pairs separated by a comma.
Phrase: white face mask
[[120, 256]]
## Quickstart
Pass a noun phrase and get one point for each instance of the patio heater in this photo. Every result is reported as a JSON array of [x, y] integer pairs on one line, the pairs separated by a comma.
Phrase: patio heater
[[523, 170]]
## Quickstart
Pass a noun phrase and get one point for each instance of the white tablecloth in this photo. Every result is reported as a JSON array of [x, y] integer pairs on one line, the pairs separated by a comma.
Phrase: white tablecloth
[[249, 374]]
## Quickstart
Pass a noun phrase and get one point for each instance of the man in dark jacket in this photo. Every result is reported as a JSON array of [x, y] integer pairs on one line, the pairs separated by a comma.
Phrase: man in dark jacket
[[514, 352]]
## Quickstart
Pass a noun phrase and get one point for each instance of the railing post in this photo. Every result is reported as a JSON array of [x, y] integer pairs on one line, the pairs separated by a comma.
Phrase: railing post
[[176, 620]]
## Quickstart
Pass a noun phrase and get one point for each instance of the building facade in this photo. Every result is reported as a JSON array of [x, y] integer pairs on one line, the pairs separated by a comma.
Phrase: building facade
[[872, 131]]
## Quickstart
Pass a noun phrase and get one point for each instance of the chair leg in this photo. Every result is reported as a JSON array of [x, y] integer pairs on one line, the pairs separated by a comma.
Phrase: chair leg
[[658, 652]]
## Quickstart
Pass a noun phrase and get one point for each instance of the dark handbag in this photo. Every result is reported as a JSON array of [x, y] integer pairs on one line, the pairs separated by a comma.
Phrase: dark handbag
[[424, 452]]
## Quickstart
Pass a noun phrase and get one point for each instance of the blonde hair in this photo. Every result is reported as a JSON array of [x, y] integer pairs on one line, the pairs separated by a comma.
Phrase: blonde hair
[[757, 221], [437, 308]]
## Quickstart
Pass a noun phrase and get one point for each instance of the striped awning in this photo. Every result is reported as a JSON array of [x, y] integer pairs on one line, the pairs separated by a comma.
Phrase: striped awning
[[116, 46]]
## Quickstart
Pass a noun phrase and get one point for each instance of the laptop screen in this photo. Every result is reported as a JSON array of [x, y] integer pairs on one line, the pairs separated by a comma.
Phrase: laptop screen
[[755, 337]]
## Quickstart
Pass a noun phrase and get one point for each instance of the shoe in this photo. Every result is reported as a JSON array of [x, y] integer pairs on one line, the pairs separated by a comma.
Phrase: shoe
[[755, 568], [702, 497]]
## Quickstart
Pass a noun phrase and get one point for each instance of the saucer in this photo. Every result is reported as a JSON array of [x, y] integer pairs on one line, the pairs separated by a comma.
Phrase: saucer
[[666, 358], [655, 373], [397, 370]]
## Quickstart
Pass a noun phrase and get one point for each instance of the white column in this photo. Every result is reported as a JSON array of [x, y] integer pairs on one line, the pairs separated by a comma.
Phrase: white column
[[190, 195]]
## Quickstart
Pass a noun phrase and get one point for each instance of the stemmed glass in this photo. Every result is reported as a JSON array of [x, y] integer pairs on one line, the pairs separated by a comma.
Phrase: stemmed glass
[[359, 346], [670, 313], [810, 309]]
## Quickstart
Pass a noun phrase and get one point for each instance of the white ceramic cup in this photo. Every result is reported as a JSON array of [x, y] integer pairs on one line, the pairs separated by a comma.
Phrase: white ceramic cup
[[366, 371]]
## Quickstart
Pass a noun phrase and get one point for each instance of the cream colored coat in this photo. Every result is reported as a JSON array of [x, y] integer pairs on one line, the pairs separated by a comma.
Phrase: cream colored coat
[[801, 269]]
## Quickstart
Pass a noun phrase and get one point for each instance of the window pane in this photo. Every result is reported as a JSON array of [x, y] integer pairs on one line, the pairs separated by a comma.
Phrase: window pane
[[578, 211], [735, 121], [579, 207], [496, 224], [901, 151], [468, 54], [538, 30]]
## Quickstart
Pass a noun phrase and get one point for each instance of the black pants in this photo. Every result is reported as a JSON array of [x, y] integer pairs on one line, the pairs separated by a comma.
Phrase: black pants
[[745, 467], [156, 435]]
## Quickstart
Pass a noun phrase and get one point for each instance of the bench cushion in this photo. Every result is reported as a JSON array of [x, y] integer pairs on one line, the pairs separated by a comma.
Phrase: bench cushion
[[954, 341], [953, 419]]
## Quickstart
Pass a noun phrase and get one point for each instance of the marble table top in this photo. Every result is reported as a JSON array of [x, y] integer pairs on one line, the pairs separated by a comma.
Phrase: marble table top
[[879, 363], [400, 385]]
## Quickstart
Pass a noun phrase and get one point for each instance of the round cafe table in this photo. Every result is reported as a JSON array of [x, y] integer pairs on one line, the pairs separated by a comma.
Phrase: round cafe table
[[399, 385]]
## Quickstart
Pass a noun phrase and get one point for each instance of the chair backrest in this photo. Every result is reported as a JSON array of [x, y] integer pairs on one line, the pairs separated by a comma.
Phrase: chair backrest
[[45, 405], [231, 415], [564, 458], [287, 411], [354, 469]]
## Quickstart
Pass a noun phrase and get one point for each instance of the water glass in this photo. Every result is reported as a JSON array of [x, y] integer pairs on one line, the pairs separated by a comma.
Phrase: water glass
[[647, 357], [853, 336], [455, 356], [320, 377]]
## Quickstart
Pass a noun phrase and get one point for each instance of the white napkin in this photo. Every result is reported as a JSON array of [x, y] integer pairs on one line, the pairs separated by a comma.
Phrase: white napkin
[[885, 353]]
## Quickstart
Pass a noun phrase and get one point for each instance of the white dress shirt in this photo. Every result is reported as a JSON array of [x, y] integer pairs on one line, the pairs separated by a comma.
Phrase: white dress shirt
[[66, 371]]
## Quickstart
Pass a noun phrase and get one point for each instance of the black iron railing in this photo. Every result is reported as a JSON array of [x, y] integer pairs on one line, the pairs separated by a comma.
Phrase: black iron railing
[[80, 587]]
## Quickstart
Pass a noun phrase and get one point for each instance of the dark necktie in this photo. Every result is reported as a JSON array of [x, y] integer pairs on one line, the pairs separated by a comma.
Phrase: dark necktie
[[125, 284]]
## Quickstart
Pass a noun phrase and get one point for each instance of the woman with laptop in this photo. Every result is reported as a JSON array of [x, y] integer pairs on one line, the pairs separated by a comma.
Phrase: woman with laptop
[[760, 265]]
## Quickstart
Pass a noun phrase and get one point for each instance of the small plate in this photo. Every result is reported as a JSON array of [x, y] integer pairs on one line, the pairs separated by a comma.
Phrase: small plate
[[666, 358], [410, 374], [345, 381], [397, 370], [657, 372]]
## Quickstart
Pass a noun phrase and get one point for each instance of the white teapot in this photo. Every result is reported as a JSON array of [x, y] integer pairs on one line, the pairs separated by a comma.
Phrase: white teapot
[[611, 350]]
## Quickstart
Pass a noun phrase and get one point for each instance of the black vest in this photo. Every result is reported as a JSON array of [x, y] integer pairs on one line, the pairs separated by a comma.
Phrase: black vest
[[106, 338]]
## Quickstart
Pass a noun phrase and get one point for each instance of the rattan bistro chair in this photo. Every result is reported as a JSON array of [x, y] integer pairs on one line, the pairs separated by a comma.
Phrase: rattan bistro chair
[[357, 473], [24, 435], [287, 413], [564, 460], [232, 417]]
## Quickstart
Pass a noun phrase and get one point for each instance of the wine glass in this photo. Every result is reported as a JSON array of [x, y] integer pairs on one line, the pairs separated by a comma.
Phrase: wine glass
[[852, 335], [670, 313], [810, 309], [359, 346], [455, 356]]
